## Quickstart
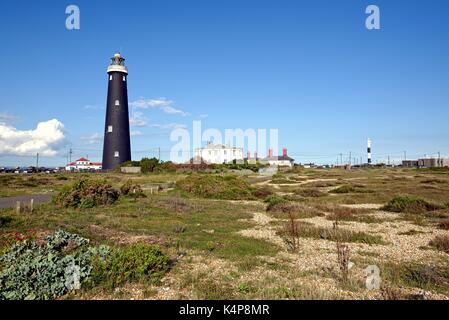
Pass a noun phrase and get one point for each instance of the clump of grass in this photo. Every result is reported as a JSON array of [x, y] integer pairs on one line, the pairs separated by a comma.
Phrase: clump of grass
[[440, 243], [228, 187], [133, 263], [131, 189], [5, 220], [310, 193], [416, 275], [86, 194], [273, 201], [409, 204], [343, 189], [444, 224], [280, 206], [433, 181], [339, 213], [411, 232], [263, 192], [307, 230]]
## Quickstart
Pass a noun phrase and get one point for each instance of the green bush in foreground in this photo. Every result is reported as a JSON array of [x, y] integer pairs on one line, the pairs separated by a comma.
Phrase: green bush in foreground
[[409, 205], [131, 189], [47, 269], [86, 194], [136, 262], [227, 187], [274, 200]]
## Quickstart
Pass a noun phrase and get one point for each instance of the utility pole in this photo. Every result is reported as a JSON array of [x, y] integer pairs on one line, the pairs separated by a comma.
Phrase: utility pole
[[388, 160], [350, 157], [405, 155], [70, 155], [159, 153], [37, 162], [341, 158]]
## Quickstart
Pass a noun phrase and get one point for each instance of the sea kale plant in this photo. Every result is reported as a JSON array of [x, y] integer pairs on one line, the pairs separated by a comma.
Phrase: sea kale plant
[[47, 268]]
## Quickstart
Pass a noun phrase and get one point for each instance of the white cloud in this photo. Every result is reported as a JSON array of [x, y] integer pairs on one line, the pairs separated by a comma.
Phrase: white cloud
[[93, 138], [136, 133], [160, 103], [169, 126], [204, 116], [137, 119], [6, 117], [93, 107], [46, 139]]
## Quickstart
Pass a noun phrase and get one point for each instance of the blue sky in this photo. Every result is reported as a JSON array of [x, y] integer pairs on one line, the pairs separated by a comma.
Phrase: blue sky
[[308, 68]]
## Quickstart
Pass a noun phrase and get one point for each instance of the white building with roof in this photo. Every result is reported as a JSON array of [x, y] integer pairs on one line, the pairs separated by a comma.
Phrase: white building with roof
[[219, 153], [279, 161], [83, 164]]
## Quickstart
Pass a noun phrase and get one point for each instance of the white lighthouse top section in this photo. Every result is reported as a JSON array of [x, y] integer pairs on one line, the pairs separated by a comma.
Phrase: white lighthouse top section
[[369, 143], [117, 64]]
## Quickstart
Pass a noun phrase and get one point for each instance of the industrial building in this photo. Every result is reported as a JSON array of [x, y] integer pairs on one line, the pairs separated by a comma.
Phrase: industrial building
[[426, 163]]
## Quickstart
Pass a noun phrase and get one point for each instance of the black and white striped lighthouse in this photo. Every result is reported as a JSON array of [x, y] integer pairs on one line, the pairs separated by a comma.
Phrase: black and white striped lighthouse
[[117, 144]]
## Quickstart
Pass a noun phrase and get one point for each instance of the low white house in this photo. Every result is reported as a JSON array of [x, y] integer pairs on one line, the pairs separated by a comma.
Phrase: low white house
[[83, 164], [219, 153], [280, 161]]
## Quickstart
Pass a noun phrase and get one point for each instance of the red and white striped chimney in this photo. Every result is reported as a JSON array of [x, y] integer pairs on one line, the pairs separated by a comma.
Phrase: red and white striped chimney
[[270, 153], [284, 152], [248, 155]]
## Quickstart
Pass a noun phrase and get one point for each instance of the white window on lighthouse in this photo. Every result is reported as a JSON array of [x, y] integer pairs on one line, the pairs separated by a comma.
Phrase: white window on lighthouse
[[117, 103], [124, 78], [110, 77], [116, 154], [109, 128]]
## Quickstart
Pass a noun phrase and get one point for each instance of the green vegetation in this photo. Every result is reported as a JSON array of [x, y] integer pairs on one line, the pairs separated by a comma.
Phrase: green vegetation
[[228, 187], [310, 193], [409, 205], [343, 189], [440, 243], [86, 194], [417, 275], [47, 269], [138, 262], [131, 189], [307, 230]]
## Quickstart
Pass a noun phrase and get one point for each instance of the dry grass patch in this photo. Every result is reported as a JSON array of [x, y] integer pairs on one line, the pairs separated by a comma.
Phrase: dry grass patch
[[440, 243]]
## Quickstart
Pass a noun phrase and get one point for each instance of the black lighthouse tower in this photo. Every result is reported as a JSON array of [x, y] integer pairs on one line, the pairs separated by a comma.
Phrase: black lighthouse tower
[[117, 144]]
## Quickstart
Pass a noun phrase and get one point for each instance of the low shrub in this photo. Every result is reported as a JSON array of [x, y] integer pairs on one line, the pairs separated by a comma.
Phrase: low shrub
[[263, 192], [274, 200], [47, 268], [5, 220], [409, 205], [228, 187], [133, 263], [444, 224], [343, 189], [310, 193], [308, 230], [86, 194], [440, 243], [131, 189]]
